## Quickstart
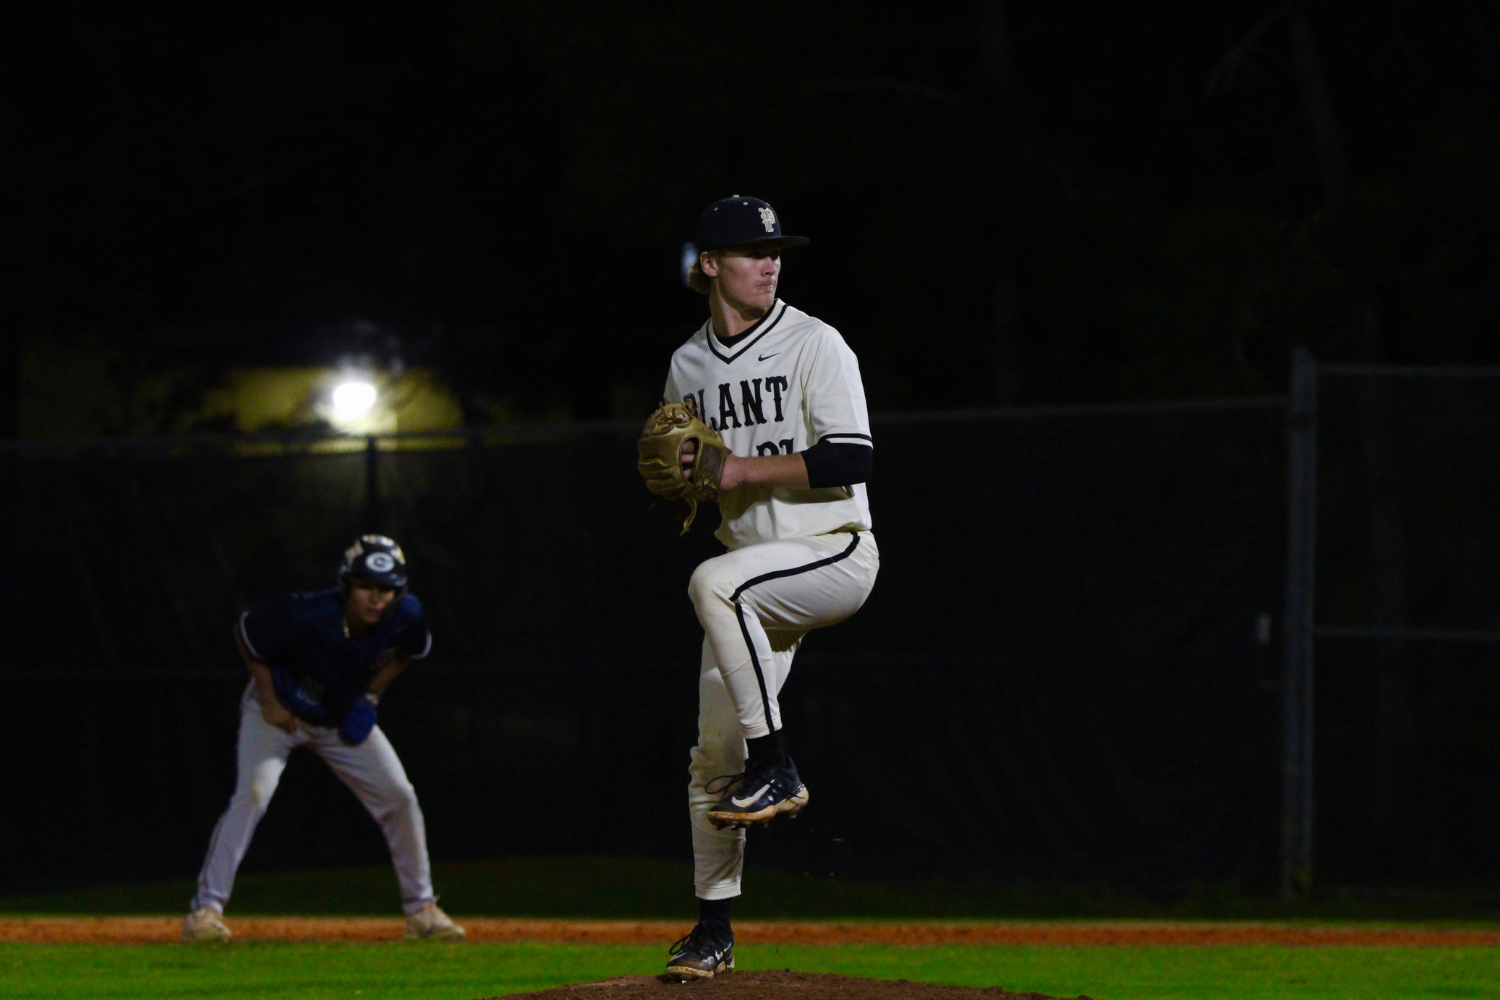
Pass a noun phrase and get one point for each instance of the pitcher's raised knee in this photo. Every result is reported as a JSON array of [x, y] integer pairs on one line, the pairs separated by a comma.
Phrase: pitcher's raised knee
[[710, 586]]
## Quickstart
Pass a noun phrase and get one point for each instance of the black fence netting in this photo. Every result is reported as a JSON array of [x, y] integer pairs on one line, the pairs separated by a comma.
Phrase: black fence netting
[[1063, 674], [1408, 606]]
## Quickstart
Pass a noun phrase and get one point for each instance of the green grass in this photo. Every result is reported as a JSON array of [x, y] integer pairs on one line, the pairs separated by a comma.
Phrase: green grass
[[461, 972], [636, 888]]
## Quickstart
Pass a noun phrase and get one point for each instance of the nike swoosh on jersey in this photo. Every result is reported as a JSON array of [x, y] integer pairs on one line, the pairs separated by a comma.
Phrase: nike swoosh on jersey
[[742, 803], [768, 357]]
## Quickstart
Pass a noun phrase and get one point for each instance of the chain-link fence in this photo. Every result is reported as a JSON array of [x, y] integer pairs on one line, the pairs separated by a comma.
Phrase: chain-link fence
[[1064, 673], [1399, 747]]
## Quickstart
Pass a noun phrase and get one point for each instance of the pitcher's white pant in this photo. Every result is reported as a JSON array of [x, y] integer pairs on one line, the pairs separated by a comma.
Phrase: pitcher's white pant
[[755, 605], [373, 773]]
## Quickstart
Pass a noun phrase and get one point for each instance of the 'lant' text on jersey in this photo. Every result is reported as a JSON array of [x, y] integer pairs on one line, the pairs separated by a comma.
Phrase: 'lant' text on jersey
[[752, 402]]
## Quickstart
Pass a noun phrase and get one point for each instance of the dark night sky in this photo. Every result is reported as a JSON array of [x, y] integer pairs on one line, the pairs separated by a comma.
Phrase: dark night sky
[[1010, 202]]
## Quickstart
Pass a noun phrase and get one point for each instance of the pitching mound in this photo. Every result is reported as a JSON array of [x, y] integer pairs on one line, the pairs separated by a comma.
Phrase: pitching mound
[[774, 985]]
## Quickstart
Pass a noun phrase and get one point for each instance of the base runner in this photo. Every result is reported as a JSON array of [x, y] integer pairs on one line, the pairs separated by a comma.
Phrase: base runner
[[783, 391], [319, 664]]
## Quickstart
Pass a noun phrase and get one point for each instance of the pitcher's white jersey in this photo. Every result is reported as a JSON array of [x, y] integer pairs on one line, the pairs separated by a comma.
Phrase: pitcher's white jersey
[[782, 386]]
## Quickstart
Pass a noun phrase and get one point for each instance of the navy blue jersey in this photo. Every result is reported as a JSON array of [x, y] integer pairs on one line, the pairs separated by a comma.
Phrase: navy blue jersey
[[318, 667]]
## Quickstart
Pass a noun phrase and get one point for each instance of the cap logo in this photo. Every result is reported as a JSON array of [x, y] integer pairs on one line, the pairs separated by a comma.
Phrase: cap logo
[[769, 218], [380, 562]]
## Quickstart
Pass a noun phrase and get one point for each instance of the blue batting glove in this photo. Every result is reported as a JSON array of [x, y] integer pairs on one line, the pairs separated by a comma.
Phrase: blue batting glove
[[359, 720]]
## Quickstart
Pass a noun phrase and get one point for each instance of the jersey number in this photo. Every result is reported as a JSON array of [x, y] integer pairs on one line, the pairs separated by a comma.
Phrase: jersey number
[[769, 447]]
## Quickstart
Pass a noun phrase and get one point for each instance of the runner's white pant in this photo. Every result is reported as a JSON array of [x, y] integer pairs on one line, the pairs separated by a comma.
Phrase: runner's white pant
[[755, 605], [371, 770]]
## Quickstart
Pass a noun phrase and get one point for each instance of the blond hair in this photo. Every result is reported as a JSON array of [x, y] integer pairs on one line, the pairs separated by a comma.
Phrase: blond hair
[[697, 280]]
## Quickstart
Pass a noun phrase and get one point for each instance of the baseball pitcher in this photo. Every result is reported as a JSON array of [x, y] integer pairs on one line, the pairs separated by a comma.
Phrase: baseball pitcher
[[764, 414], [319, 663]]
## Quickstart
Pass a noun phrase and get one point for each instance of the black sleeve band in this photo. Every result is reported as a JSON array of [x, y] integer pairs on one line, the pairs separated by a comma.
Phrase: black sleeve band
[[837, 463]]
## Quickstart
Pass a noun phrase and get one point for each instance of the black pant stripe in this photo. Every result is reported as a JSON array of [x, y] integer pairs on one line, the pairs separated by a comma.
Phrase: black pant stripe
[[739, 609], [760, 677]]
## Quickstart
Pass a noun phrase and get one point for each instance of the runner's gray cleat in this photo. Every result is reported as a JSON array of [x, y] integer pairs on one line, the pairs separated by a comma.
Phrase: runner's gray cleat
[[204, 924], [430, 923]]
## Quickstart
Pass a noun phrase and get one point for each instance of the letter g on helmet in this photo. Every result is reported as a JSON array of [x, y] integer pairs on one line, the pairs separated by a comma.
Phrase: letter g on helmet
[[375, 558]]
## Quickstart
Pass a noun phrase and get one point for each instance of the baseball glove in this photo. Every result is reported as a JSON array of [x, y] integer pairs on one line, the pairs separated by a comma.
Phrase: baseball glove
[[660, 446]]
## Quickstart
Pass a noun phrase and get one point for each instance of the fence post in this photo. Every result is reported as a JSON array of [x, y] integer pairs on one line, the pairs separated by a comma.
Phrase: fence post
[[1297, 667], [373, 511]]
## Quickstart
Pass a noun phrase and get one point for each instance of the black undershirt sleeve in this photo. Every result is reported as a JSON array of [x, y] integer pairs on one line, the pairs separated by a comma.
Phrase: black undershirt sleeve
[[837, 463]]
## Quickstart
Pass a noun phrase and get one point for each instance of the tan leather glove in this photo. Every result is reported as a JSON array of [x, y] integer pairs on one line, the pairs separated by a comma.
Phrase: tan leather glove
[[660, 447]]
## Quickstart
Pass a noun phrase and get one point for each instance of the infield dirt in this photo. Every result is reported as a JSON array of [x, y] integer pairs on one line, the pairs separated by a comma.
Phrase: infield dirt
[[774, 985], [147, 930]]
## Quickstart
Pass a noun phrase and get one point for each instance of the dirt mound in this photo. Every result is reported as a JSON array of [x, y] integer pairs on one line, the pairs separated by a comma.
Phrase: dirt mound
[[774, 985]]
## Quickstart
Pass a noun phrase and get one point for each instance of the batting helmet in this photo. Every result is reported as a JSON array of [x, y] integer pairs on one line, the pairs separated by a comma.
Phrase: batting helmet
[[375, 558]]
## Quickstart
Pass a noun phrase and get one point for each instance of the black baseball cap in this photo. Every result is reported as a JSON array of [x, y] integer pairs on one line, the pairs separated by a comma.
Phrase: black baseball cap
[[737, 221]]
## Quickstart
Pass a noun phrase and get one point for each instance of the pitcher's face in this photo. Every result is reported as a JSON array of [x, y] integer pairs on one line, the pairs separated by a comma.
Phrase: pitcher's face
[[745, 276]]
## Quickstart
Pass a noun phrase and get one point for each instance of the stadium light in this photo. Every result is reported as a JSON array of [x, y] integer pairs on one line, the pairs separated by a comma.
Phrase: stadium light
[[353, 399]]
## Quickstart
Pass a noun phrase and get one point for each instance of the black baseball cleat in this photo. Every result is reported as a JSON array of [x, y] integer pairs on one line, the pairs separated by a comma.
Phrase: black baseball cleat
[[758, 794], [706, 951]]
